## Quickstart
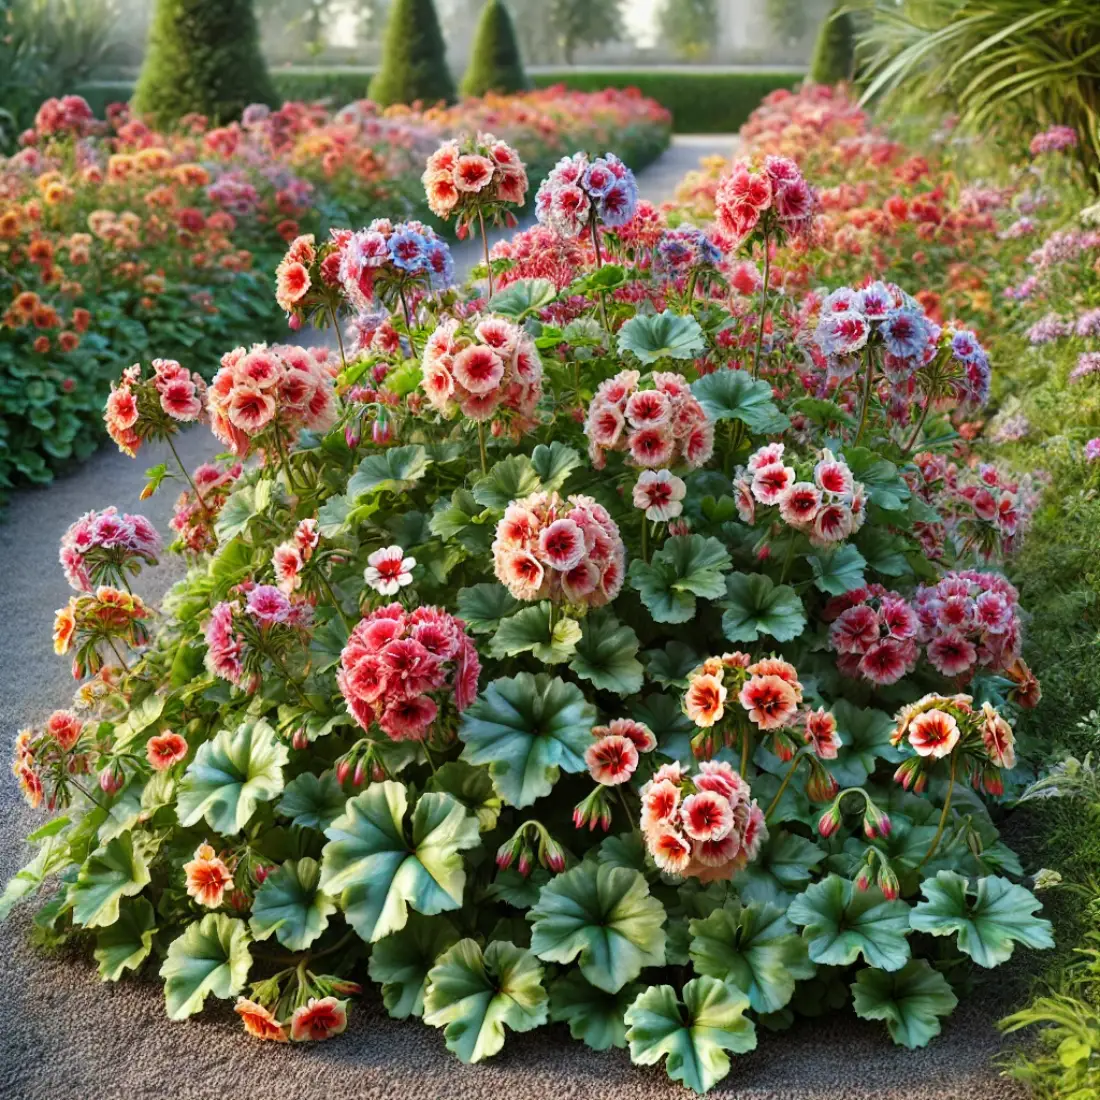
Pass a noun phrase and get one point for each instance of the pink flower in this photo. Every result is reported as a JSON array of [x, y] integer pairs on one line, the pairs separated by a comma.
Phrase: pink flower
[[952, 654], [562, 545], [770, 700], [886, 661], [287, 562], [671, 852], [65, 728], [705, 700], [770, 483], [638, 732], [251, 410], [821, 734], [659, 802], [522, 574], [267, 605], [998, 738], [164, 750], [799, 505], [651, 447], [719, 777], [648, 409], [612, 760], [855, 630], [180, 400], [707, 816], [207, 877], [660, 493], [933, 733], [292, 283], [473, 173], [478, 369], [408, 719], [319, 1019], [389, 570]]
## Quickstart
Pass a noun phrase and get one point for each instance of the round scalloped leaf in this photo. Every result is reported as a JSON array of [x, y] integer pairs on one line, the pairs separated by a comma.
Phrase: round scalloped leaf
[[784, 866], [483, 606], [1000, 915], [838, 571], [473, 787], [211, 956], [522, 297], [395, 470], [593, 1015], [475, 996], [607, 655], [378, 874], [686, 566], [230, 776], [605, 915], [734, 395], [290, 904], [117, 870], [754, 948], [864, 740], [526, 729], [528, 631], [694, 1033], [841, 923], [652, 337], [126, 944], [400, 963], [910, 1000], [755, 606], [313, 801]]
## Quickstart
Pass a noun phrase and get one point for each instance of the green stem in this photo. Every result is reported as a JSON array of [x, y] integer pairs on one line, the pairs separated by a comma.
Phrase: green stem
[[690, 293], [867, 382], [917, 430], [194, 487], [645, 538], [626, 809], [746, 750], [335, 602], [485, 244], [783, 786], [943, 816], [279, 663], [339, 334], [481, 447], [787, 560], [86, 793], [763, 307], [428, 754], [114, 649], [405, 309]]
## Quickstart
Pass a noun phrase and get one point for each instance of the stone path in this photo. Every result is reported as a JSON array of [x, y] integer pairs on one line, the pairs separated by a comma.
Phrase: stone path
[[69, 1037]]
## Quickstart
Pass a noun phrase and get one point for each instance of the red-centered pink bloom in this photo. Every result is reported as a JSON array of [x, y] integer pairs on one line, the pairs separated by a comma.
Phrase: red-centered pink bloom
[[951, 654], [648, 409], [251, 410], [833, 476], [855, 630], [318, 1020], [776, 666], [659, 803], [650, 447], [899, 618], [259, 1022], [389, 570], [638, 732], [821, 734], [479, 369], [180, 400], [207, 877], [706, 816], [705, 701], [660, 493], [522, 574], [886, 661], [65, 728], [292, 283], [770, 701], [612, 760], [800, 504], [408, 719], [933, 733], [770, 483], [562, 545], [671, 852], [267, 605], [719, 777], [164, 750], [833, 523], [998, 738], [286, 560], [473, 172]]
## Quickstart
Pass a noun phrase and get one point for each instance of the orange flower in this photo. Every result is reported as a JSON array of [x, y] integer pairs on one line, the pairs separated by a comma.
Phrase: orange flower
[[9, 224], [81, 319], [207, 877], [165, 749], [42, 344], [705, 702], [259, 1021], [770, 700], [40, 251], [64, 626], [68, 341], [933, 733], [25, 303]]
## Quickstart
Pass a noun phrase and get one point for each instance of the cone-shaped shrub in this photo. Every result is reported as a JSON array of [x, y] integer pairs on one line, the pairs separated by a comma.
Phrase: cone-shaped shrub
[[834, 54], [204, 56], [414, 59], [495, 64]]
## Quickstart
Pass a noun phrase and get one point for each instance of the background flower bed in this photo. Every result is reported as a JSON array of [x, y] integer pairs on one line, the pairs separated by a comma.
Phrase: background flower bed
[[200, 216]]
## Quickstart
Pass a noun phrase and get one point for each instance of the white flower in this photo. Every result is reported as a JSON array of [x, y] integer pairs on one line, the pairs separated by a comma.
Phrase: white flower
[[660, 493], [388, 570]]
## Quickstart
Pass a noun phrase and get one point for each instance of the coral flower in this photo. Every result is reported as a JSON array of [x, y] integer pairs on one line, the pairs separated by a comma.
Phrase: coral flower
[[952, 654], [319, 1019], [705, 700], [800, 504], [997, 738], [389, 570], [822, 735], [64, 626], [933, 733], [259, 1021], [478, 369], [523, 574], [638, 732], [612, 760], [164, 750], [770, 700], [719, 777], [473, 172], [65, 728], [408, 719], [707, 816], [207, 877], [671, 852], [659, 802]]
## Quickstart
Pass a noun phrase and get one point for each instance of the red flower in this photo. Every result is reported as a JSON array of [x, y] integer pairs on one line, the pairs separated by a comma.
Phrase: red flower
[[612, 760], [933, 733], [707, 816], [770, 701], [319, 1019], [164, 750], [259, 1021]]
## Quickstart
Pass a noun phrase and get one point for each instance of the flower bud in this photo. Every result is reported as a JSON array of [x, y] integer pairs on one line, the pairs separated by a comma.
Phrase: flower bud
[[888, 882], [343, 769], [829, 821], [863, 879], [506, 854], [352, 434], [300, 740], [377, 772], [260, 873], [112, 779], [294, 321], [820, 786], [381, 431], [593, 811], [875, 822], [909, 773], [359, 776], [341, 987], [553, 856], [525, 862]]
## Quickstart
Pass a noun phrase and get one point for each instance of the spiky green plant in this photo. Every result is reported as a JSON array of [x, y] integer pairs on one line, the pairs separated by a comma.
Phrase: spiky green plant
[[414, 58], [495, 63]]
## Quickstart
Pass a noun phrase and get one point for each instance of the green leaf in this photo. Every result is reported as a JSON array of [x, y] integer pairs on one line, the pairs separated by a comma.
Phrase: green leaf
[[989, 925], [885, 486], [313, 801], [667, 335], [211, 956], [553, 463], [378, 873], [694, 1033], [842, 923], [823, 413], [48, 860], [885, 552], [607, 655], [483, 606], [514, 889], [910, 1000], [594, 1016], [115, 871], [755, 606], [395, 470], [673, 664], [838, 572], [606, 916], [785, 864], [522, 297], [733, 395], [753, 948], [475, 996], [527, 728], [685, 567], [461, 519], [473, 787], [126, 944], [400, 963], [230, 776], [865, 739], [528, 631], [289, 904], [510, 479], [235, 514]]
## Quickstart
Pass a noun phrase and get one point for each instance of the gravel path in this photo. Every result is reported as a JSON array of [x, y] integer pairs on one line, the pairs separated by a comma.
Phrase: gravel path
[[69, 1037]]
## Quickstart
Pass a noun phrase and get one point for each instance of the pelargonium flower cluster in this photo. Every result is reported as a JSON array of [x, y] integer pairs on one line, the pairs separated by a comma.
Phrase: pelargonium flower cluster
[[875, 632], [474, 178], [659, 427], [1056, 139], [940, 726], [102, 617], [822, 501], [105, 546], [580, 193], [686, 249], [388, 260], [261, 622], [568, 551], [193, 519], [400, 668], [705, 826], [44, 760], [482, 368], [139, 409], [279, 389], [70, 114], [772, 197], [969, 620]]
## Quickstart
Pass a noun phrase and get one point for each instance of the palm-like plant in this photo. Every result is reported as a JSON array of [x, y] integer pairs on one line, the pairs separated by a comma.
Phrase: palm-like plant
[[998, 63]]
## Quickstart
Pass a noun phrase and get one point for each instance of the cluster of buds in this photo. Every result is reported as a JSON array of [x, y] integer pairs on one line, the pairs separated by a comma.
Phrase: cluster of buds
[[94, 619], [531, 842], [361, 764], [875, 869]]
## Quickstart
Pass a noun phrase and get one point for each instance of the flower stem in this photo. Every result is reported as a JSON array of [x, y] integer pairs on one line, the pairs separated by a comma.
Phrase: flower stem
[[645, 538], [485, 245], [481, 447], [917, 430], [787, 561], [335, 602], [194, 487], [690, 292], [783, 786], [626, 809], [86, 793], [746, 749], [339, 334], [867, 382], [114, 649], [405, 308], [943, 816], [763, 307], [596, 240]]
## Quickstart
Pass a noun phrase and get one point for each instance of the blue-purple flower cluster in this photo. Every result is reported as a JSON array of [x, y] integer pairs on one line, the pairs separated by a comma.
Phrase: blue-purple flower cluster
[[686, 249], [387, 253]]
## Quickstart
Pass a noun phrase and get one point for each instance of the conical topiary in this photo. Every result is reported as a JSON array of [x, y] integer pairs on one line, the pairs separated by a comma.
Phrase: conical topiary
[[495, 63], [834, 53], [204, 56], [414, 59]]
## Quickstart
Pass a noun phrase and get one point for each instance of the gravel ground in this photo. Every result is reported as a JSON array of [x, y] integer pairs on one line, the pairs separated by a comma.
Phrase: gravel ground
[[69, 1037]]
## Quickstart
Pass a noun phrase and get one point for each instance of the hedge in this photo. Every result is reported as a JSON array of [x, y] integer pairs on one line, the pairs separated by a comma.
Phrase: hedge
[[701, 102]]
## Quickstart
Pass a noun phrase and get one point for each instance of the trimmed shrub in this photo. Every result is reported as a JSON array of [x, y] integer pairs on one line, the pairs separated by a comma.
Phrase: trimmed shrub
[[414, 59], [495, 63], [204, 56], [834, 53]]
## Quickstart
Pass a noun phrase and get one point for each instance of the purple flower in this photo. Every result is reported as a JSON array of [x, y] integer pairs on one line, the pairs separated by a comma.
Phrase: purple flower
[[965, 347], [617, 204], [267, 605], [1092, 450], [905, 333], [875, 301], [409, 251]]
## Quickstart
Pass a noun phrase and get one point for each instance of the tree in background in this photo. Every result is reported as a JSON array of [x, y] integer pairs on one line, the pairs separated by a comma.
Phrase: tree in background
[[414, 59], [577, 23], [495, 64], [689, 26], [288, 25], [787, 19], [204, 56], [834, 53]]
